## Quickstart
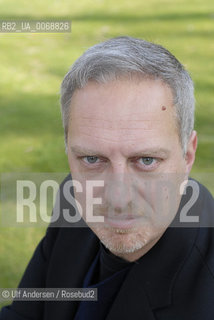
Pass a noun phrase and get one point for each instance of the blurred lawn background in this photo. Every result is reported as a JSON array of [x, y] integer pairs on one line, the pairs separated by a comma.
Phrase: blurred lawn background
[[32, 67]]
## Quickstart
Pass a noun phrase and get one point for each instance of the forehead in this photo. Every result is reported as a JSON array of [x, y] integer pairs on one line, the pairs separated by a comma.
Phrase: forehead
[[122, 110]]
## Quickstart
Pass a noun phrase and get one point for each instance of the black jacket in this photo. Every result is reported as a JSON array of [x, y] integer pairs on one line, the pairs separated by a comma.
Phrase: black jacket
[[173, 281]]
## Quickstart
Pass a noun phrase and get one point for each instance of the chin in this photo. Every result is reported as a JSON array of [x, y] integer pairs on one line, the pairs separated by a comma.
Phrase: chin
[[123, 241]]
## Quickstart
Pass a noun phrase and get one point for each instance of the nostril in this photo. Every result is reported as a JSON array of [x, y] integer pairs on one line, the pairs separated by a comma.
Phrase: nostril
[[118, 209]]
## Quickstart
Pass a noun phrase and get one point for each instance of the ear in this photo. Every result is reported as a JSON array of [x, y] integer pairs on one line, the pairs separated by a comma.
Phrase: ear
[[191, 150]]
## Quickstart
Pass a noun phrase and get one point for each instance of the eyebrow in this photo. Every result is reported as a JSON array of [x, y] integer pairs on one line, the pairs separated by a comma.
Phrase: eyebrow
[[161, 152]]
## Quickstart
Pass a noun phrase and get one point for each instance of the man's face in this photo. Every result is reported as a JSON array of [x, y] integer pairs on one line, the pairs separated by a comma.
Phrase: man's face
[[124, 133]]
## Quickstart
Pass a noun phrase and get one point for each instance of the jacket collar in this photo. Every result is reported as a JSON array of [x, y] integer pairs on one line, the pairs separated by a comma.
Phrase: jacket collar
[[158, 269]]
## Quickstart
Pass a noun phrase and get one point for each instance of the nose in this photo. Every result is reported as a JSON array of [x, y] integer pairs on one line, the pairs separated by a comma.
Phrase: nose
[[118, 194]]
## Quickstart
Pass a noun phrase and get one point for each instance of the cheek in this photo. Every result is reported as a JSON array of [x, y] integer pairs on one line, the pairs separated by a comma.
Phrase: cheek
[[161, 199]]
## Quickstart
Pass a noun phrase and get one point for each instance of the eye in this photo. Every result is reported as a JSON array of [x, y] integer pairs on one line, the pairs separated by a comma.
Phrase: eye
[[147, 161], [90, 159]]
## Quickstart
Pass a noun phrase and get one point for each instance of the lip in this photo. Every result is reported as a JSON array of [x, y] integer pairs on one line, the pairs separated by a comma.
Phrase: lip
[[124, 223]]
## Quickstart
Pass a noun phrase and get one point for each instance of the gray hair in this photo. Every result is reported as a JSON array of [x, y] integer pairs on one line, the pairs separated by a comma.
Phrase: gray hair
[[126, 56]]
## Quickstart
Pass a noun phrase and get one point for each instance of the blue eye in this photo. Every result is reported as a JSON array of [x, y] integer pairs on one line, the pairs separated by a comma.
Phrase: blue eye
[[91, 159], [147, 160]]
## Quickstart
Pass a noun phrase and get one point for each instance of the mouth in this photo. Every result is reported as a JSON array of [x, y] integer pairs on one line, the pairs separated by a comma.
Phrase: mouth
[[122, 222]]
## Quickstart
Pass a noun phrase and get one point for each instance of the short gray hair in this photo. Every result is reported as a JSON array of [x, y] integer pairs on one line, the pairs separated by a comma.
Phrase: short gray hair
[[126, 56]]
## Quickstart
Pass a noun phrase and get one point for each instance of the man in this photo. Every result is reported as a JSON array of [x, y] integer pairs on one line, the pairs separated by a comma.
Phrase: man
[[128, 115]]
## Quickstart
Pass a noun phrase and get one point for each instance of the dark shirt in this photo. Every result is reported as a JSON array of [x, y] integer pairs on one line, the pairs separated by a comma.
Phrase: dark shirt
[[109, 264]]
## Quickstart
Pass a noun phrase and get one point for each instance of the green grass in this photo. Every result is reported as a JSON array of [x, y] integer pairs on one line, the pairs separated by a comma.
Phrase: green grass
[[33, 65]]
